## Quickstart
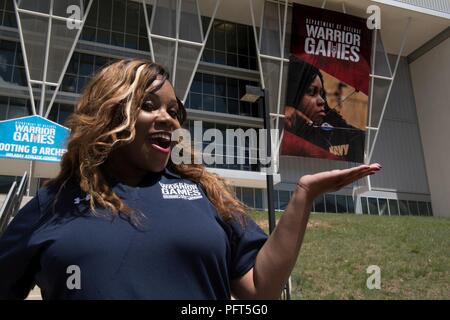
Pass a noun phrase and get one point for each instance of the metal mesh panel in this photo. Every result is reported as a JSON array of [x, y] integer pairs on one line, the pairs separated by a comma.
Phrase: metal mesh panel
[[61, 42], [164, 22], [34, 30], [382, 66], [164, 52], [187, 58], [42, 6], [271, 74], [271, 30], [60, 7], [190, 27]]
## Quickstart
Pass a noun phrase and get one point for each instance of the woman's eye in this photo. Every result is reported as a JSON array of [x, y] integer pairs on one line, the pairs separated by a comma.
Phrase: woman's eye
[[310, 91], [148, 105], [173, 113]]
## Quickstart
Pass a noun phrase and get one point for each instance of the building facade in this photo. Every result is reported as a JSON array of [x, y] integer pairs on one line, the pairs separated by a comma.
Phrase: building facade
[[230, 60]]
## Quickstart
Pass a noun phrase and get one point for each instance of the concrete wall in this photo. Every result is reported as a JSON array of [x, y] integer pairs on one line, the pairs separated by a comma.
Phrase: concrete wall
[[431, 82]]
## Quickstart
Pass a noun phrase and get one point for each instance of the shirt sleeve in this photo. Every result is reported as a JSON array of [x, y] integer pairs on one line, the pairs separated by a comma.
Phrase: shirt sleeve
[[247, 238], [16, 256]]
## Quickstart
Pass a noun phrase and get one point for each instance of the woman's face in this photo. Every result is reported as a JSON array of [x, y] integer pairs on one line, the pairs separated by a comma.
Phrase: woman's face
[[151, 147], [313, 105]]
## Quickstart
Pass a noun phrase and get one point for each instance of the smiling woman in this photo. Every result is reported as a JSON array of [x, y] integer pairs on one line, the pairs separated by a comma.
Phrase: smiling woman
[[134, 224]]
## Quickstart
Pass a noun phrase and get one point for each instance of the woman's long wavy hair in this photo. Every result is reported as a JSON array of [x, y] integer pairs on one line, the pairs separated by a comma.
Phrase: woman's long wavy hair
[[104, 120]]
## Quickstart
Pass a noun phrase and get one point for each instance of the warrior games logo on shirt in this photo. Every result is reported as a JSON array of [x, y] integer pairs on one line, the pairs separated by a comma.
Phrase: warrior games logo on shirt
[[180, 190]]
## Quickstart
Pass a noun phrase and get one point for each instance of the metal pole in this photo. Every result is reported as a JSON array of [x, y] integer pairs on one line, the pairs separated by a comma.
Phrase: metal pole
[[269, 176]]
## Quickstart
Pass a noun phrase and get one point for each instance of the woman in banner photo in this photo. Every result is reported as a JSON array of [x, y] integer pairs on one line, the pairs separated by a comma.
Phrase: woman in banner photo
[[123, 221], [311, 127]]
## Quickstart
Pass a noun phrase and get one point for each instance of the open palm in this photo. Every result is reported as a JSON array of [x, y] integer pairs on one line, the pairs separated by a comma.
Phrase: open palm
[[329, 181]]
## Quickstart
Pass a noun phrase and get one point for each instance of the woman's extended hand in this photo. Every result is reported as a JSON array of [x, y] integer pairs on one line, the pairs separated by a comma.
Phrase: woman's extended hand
[[329, 181]]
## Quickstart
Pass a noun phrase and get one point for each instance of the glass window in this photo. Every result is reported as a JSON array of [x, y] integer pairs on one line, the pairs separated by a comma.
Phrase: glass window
[[258, 199], [248, 197], [219, 40], [208, 103], [6, 72], [221, 85], [69, 83], [413, 210], [430, 209], [10, 20], [382, 204], [3, 107], [330, 203], [104, 14], [88, 34], [208, 84], [350, 204], [132, 17], [284, 199], [220, 57], [82, 81], [403, 204], [197, 83], [242, 39], [119, 10], [131, 41], [233, 106], [231, 37], [143, 44], [7, 52], [423, 208], [238, 193], [243, 62], [393, 207], [6, 183], [232, 88], [365, 208], [100, 62], [86, 65], [253, 63], [117, 39], [276, 200], [373, 206], [196, 101], [65, 110], [19, 76], [17, 108], [341, 204], [72, 68], [319, 204], [232, 60], [91, 19], [221, 104], [208, 55]]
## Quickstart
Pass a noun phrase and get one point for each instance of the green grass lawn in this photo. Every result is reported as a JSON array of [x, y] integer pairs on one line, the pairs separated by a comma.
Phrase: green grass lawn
[[413, 254]]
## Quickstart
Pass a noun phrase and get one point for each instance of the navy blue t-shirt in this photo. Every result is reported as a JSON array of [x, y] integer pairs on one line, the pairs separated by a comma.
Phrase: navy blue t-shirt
[[180, 249]]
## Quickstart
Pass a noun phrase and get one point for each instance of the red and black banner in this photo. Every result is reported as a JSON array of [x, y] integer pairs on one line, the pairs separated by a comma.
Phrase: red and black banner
[[328, 84]]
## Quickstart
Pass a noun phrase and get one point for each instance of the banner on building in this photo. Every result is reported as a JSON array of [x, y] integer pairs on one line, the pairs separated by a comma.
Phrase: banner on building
[[328, 83], [32, 138]]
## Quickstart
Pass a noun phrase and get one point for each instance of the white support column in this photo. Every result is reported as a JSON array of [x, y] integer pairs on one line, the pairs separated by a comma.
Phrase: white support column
[[257, 42], [47, 51], [283, 38], [177, 36]]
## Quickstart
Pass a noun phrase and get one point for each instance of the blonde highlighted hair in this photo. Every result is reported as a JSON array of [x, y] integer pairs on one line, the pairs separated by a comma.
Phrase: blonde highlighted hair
[[104, 120]]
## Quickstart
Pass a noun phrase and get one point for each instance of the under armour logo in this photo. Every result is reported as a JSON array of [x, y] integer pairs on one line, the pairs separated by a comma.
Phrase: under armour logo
[[78, 200]]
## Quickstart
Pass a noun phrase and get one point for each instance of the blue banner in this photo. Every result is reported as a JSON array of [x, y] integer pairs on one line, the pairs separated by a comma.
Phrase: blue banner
[[32, 138]]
